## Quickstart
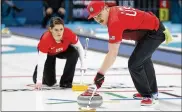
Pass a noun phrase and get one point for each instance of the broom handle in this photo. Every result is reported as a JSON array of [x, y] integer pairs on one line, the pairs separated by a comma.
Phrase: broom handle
[[81, 79], [86, 48]]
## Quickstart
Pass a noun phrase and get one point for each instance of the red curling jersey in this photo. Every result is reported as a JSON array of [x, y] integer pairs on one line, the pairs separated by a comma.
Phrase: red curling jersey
[[47, 43], [129, 23]]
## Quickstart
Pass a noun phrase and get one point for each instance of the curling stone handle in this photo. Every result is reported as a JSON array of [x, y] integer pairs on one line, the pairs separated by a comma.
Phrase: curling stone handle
[[94, 91]]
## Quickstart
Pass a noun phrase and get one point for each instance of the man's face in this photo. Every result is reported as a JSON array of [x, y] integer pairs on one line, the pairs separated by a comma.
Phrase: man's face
[[102, 17], [57, 31]]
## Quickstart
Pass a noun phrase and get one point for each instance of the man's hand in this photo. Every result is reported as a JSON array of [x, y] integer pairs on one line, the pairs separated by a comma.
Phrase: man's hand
[[38, 86], [98, 80]]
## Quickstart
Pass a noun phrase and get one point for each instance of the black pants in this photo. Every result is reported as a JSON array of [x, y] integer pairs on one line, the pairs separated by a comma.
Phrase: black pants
[[49, 74], [140, 64]]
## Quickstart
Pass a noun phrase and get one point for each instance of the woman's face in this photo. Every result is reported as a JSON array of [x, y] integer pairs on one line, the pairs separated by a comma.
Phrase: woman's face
[[57, 31]]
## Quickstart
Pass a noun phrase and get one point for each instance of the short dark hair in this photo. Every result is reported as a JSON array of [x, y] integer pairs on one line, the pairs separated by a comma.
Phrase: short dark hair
[[56, 20]]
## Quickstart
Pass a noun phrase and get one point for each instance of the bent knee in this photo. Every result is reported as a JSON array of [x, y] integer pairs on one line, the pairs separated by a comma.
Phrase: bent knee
[[132, 64]]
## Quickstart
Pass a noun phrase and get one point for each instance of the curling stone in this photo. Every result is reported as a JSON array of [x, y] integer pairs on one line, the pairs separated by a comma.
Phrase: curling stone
[[83, 100]]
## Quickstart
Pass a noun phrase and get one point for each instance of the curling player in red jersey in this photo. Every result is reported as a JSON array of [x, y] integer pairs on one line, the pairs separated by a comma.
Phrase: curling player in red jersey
[[131, 24], [58, 42]]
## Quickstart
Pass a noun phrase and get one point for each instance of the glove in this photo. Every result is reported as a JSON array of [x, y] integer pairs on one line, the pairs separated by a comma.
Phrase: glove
[[98, 80], [168, 36]]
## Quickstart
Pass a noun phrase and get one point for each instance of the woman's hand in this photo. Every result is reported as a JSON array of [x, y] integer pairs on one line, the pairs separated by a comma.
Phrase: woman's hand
[[38, 86]]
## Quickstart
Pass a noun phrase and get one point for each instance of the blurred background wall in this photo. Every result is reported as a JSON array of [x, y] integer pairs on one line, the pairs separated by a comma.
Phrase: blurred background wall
[[33, 10]]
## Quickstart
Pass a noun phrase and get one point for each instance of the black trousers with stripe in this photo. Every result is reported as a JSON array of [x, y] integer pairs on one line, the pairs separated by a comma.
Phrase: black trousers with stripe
[[49, 74], [140, 64]]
